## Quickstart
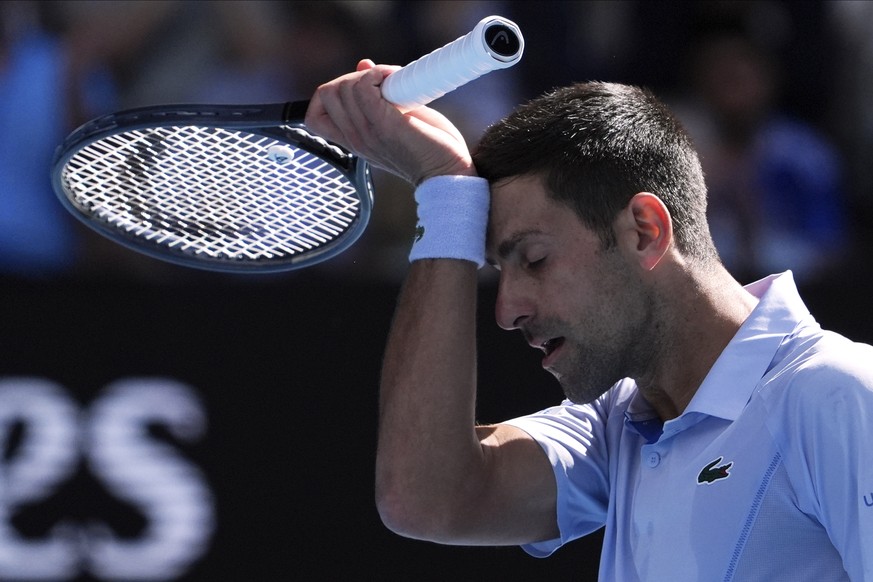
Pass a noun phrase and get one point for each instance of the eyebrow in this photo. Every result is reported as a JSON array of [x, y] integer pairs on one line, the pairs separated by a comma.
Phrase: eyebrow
[[507, 247]]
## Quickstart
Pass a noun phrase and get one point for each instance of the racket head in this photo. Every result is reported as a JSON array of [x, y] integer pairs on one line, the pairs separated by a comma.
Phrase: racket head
[[242, 189]]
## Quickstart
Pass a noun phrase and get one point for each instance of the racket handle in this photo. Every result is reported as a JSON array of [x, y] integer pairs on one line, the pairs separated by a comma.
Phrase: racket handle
[[495, 43]]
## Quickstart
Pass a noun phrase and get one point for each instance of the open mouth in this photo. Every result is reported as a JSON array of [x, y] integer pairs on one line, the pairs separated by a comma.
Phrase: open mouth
[[551, 345]]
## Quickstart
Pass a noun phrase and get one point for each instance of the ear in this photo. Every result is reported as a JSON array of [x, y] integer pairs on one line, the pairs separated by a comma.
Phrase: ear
[[647, 229]]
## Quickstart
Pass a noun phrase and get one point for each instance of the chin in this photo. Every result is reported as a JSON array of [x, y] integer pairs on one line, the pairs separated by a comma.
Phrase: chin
[[584, 396], [584, 390]]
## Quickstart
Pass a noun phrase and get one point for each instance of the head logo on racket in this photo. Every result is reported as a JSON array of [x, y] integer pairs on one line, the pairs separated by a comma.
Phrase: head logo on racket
[[502, 41], [280, 154]]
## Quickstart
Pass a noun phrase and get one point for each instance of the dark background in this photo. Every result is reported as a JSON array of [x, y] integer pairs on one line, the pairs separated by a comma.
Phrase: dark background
[[288, 372]]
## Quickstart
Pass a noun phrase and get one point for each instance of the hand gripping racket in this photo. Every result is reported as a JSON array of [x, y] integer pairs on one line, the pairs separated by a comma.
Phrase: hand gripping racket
[[246, 188]]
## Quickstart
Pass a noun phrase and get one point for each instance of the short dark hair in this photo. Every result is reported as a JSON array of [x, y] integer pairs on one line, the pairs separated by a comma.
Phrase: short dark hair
[[597, 145]]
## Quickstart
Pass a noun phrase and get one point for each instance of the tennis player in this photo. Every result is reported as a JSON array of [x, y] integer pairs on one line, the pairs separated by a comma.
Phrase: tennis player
[[715, 430]]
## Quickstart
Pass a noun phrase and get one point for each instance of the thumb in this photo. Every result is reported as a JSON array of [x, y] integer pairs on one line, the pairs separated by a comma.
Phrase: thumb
[[365, 64]]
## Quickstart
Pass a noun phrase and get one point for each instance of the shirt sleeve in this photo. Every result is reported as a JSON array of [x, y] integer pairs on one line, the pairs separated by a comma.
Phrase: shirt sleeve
[[574, 437]]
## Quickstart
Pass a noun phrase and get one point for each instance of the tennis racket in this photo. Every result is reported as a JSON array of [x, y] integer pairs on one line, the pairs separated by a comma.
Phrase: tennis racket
[[246, 188]]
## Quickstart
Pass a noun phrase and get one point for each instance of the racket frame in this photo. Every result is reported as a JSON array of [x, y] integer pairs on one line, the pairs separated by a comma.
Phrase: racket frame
[[282, 122]]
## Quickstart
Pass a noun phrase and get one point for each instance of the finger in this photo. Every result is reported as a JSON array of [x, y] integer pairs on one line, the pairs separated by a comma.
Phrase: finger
[[377, 110], [327, 114], [334, 111], [367, 112], [365, 64]]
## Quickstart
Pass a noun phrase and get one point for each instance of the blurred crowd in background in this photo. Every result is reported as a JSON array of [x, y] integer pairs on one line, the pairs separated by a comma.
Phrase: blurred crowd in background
[[778, 96]]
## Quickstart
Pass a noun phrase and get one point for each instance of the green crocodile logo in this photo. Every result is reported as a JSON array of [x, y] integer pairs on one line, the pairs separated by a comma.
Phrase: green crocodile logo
[[710, 473]]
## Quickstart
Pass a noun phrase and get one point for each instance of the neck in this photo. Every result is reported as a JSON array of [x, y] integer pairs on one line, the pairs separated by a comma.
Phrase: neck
[[703, 310]]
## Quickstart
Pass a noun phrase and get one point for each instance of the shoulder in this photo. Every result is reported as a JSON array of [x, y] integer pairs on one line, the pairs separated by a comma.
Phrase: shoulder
[[824, 382], [822, 359], [836, 362]]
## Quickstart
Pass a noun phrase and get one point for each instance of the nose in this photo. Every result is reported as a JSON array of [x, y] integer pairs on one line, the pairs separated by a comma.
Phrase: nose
[[512, 307]]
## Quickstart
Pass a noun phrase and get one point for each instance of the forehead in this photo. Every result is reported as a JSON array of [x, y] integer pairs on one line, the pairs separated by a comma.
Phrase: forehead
[[521, 208], [520, 199]]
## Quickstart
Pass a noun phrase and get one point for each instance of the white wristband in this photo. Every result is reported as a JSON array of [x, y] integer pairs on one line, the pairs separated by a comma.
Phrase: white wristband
[[452, 219]]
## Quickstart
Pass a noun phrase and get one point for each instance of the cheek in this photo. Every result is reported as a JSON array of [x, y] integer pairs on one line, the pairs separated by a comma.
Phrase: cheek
[[607, 304], [591, 290]]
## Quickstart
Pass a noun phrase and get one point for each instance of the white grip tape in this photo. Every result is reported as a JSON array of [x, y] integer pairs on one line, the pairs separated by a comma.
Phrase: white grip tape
[[495, 43], [452, 219]]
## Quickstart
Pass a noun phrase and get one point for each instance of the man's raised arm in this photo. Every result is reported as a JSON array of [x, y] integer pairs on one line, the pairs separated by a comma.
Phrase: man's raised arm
[[438, 476]]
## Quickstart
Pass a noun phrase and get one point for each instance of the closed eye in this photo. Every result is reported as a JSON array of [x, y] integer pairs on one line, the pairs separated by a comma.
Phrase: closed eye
[[536, 264]]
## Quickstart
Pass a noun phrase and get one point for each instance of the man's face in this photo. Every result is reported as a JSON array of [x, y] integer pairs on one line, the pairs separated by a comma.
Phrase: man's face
[[586, 308]]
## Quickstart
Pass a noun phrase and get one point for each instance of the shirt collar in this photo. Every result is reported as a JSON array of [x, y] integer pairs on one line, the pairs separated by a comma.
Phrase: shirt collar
[[736, 373]]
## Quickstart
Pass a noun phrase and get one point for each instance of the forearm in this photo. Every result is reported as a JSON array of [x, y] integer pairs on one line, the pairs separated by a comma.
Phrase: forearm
[[428, 452], [438, 476]]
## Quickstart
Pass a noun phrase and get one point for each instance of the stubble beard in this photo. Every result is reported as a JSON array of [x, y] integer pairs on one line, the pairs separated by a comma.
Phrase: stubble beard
[[621, 343]]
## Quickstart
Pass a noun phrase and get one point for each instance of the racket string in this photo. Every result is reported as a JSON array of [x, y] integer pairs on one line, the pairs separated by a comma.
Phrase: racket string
[[212, 191]]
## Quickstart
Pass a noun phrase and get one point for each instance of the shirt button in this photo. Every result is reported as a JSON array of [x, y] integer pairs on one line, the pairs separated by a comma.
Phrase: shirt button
[[653, 460]]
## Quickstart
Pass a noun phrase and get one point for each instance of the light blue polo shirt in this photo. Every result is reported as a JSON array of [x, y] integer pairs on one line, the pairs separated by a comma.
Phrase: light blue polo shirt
[[767, 475]]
